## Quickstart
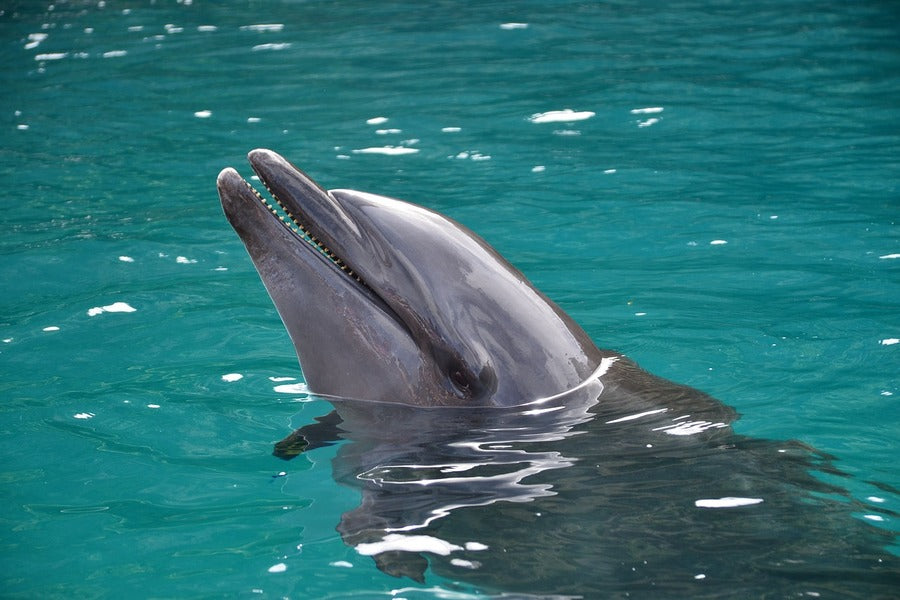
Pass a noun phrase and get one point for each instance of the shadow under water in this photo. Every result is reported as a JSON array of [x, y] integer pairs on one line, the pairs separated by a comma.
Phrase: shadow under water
[[591, 494]]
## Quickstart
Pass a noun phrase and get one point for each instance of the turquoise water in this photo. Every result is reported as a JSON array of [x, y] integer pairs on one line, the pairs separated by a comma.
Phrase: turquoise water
[[722, 207]]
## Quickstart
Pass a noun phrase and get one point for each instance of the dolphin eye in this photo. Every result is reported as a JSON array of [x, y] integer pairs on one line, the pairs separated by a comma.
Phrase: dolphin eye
[[461, 378], [460, 381], [467, 383]]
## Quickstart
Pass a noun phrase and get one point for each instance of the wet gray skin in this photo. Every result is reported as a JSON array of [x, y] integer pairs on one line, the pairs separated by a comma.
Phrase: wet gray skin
[[441, 318]]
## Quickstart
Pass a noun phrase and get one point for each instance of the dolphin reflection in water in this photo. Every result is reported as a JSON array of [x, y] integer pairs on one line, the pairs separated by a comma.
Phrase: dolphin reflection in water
[[492, 442]]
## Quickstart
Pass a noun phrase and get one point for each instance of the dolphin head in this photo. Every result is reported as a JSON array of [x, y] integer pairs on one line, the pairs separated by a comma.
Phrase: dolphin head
[[389, 301]]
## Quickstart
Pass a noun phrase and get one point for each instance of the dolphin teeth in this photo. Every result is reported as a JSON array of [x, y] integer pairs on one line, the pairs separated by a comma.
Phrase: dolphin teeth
[[295, 225]]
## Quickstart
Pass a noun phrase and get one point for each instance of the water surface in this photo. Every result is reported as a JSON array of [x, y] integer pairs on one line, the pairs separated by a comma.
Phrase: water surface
[[721, 205]]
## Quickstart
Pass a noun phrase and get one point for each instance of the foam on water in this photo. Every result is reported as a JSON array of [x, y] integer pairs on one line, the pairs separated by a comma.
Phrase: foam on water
[[727, 502], [561, 116], [115, 307], [386, 150], [291, 388]]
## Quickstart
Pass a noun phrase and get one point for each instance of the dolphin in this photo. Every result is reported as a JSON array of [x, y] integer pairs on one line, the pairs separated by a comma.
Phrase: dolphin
[[493, 442], [368, 284], [388, 301]]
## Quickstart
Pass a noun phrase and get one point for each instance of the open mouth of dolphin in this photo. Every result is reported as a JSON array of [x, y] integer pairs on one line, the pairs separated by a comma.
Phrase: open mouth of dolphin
[[289, 213], [303, 209], [303, 230]]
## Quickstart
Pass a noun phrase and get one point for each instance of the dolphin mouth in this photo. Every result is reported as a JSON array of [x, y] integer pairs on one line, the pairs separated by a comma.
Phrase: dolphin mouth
[[303, 229], [289, 212], [303, 210]]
